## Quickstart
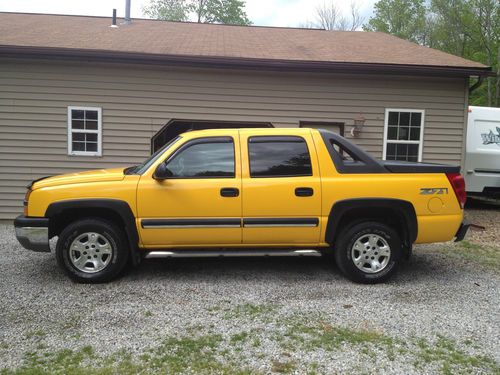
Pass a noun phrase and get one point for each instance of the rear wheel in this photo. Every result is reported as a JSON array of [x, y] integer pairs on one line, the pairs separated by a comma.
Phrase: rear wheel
[[368, 252], [92, 250]]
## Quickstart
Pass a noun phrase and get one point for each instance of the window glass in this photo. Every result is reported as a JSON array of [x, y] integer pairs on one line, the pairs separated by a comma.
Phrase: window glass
[[204, 160], [403, 135], [84, 131], [279, 157]]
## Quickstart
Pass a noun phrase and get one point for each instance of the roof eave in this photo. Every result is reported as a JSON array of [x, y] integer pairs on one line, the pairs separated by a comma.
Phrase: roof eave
[[238, 62]]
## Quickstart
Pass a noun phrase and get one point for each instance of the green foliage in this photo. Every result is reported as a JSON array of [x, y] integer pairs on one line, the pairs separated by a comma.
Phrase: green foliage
[[231, 12], [452, 359], [466, 28], [206, 11], [405, 19], [328, 337], [487, 256], [168, 10]]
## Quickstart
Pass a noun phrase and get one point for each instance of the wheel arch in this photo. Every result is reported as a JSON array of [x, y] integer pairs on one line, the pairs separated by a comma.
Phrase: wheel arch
[[346, 211], [61, 213]]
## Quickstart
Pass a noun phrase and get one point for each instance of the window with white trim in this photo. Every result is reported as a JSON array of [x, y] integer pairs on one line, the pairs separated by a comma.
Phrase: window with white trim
[[84, 131], [403, 134]]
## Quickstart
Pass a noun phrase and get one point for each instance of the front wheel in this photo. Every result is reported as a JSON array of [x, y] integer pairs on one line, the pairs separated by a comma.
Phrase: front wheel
[[368, 252], [92, 250]]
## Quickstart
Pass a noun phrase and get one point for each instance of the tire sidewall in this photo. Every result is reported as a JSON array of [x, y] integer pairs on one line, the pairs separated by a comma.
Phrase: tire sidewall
[[351, 235], [110, 232]]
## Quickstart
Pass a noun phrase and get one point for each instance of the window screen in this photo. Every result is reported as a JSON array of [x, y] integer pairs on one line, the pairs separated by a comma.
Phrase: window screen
[[279, 157]]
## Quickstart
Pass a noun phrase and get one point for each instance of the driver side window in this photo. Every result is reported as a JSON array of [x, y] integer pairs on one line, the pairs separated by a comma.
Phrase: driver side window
[[205, 159]]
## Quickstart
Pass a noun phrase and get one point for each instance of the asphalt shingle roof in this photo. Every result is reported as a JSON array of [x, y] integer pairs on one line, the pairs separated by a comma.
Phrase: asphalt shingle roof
[[218, 41]]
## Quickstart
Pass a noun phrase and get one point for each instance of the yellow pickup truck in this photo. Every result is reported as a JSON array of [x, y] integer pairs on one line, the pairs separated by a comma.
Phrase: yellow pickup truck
[[246, 192]]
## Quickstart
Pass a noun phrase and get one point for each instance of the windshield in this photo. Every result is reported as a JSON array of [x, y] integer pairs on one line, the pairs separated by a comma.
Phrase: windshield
[[140, 169]]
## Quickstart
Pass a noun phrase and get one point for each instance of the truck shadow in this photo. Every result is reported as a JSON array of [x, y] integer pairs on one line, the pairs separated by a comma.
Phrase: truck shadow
[[422, 268]]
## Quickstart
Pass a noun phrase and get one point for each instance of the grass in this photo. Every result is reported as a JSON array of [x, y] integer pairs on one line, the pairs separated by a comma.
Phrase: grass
[[452, 360], [38, 334], [487, 256], [283, 367], [204, 350], [247, 310], [315, 335], [199, 355]]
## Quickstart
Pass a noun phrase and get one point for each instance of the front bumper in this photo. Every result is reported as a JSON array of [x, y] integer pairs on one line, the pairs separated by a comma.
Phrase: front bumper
[[33, 233], [462, 231]]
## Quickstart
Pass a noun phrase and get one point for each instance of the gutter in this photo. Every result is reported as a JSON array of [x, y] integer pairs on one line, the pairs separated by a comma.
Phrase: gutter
[[476, 85], [222, 62]]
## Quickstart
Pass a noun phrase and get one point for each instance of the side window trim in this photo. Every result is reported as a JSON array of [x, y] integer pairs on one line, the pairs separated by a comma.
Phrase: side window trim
[[198, 141], [277, 139]]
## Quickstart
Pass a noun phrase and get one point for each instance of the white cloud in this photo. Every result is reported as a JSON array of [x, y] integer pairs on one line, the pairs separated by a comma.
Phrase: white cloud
[[262, 12]]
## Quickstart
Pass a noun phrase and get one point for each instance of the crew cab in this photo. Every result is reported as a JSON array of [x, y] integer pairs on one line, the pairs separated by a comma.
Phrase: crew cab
[[246, 192]]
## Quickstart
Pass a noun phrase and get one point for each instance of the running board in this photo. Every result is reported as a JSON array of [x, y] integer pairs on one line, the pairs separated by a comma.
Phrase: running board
[[228, 253]]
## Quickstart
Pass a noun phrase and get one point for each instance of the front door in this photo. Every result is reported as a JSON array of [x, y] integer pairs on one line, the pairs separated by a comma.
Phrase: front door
[[200, 203], [281, 189]]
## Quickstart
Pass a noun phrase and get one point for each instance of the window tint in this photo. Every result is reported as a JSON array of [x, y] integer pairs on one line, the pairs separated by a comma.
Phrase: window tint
[[279, 156], [214, 159]]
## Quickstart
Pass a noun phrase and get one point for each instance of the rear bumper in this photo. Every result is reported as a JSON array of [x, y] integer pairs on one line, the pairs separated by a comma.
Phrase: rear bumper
[[33, 233], [462, 231]]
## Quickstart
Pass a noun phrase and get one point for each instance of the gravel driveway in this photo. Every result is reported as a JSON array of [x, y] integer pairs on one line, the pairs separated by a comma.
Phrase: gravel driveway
[[289, 315]]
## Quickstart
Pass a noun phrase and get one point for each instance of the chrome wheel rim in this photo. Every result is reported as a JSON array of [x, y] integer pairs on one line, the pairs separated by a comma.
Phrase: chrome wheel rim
[[90, 252], [371, 253]]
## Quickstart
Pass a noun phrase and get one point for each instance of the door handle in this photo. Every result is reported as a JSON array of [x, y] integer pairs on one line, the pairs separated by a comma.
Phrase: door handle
[[304, 192], [229, 192]]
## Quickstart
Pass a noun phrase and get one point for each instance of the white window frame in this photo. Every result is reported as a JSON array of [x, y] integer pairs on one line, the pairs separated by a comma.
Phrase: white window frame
[[98, 132], [420, 142]]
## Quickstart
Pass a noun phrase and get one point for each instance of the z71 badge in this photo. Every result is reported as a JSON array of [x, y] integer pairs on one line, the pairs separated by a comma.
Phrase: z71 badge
[[432, 191]]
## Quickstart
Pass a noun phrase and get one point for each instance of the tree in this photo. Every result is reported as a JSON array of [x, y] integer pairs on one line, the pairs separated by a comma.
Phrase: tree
[[224, 11], [466, 28], [405, 19], [329, 17], [169, 10], [204, 11]]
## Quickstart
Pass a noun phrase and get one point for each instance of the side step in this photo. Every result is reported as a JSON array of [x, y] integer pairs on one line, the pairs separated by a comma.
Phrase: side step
[[229, 253]]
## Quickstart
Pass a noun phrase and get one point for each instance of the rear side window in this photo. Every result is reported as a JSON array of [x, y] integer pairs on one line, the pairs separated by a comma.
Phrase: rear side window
[[279, 157]]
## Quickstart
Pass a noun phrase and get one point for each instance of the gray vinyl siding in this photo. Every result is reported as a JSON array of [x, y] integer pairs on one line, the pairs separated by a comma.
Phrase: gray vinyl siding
[[137, 101]]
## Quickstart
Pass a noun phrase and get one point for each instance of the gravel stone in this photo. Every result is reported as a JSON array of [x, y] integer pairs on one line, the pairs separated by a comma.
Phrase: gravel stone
[[434, 294]]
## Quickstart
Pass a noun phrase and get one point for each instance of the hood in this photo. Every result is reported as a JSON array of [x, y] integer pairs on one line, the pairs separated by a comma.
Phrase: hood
[[99, 175]]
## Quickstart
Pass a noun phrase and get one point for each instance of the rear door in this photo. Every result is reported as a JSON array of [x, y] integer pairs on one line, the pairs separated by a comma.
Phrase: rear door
[[281, 189]]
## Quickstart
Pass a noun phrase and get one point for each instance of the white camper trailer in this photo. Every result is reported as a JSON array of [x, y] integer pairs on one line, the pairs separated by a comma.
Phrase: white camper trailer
[[482, 152]]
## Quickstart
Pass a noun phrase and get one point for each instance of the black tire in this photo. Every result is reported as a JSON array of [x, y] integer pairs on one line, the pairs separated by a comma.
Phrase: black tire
[[343, 252], [106, 231]]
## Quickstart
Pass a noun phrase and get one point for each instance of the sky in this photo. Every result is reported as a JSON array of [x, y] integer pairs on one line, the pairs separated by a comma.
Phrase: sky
[[287, 13]]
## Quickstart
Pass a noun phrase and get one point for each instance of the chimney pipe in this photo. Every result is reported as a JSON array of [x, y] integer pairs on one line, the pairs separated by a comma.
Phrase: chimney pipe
[[127, 12], [113, 24]]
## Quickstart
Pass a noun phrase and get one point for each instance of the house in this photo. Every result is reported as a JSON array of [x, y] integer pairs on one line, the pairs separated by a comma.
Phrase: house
[[77, 93]]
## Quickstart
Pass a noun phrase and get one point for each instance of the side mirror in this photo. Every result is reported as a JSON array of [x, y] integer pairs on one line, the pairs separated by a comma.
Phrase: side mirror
[[162, 172]]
